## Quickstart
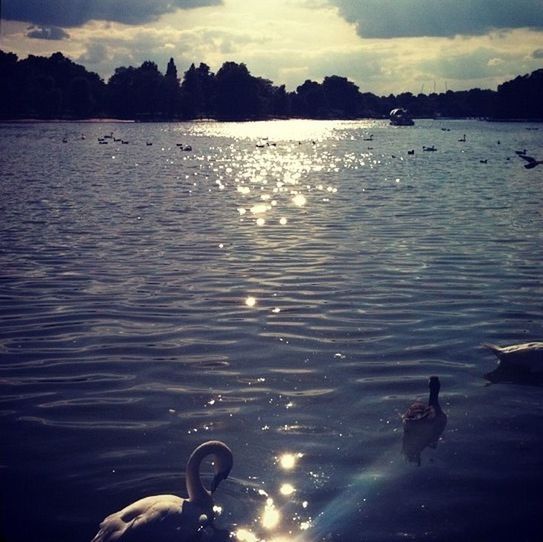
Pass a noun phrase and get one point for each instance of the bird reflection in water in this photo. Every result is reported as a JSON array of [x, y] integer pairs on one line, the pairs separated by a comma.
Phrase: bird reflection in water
[[423, 424]]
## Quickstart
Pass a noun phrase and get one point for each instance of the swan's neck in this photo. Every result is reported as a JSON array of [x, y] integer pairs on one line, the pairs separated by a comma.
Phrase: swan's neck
[[198, 494], [434, 399]]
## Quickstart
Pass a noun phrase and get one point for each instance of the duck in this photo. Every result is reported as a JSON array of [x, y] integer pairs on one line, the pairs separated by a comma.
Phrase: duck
[[423, 424], [169, 518], [429, 149], [523, 358]]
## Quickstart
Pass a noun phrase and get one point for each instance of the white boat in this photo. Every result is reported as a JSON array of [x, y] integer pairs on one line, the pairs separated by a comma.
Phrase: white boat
[[400, 117]]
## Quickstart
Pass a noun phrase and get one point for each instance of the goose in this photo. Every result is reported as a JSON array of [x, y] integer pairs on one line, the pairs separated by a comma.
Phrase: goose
[[168, 518], [519, 358], [423, 424]]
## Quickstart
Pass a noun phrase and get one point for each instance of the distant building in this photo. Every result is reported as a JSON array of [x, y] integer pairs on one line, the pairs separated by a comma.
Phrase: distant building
[[400, 117]]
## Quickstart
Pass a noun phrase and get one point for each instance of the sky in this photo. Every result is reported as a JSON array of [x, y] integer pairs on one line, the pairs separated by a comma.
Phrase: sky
[[384, 46]]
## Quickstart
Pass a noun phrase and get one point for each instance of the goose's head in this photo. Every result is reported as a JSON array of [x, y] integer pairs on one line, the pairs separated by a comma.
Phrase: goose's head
[[222, 466]]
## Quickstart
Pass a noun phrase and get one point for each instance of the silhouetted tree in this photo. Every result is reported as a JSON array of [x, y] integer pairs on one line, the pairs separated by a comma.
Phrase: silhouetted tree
[[343, 98], [521, 97], [310, 100], [80, 97], [10, 87], [236, 92], [170, 92], [197, 91], [57, 87]]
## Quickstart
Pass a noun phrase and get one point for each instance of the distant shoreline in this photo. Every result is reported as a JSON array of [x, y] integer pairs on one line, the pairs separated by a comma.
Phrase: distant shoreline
[[44, 121], [99, 120]]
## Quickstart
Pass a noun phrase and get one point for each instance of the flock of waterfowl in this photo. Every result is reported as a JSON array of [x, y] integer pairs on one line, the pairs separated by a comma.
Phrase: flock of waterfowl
[[169, 518], [531, 161], [110, 138]]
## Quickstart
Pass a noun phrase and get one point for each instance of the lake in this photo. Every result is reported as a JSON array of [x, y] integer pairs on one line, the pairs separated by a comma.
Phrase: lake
[[287, 287]]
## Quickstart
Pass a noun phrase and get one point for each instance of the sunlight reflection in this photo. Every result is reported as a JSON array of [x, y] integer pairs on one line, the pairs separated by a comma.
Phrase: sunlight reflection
[[260, 208], [287, 489], [299, 200], [271, 517], [244, 535], [250, 301], [271, 131], [288, 461]]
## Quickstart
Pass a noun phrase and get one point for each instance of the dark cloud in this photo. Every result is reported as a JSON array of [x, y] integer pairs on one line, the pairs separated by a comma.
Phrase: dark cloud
[[410, 18], [70, 13], [47, 33]]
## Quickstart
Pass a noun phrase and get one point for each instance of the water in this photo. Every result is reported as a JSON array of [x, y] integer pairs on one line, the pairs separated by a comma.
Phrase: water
[[290, 298]]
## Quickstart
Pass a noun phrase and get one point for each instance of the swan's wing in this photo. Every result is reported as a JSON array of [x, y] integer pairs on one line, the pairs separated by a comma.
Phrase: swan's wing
[[139, 520], [156, 510]]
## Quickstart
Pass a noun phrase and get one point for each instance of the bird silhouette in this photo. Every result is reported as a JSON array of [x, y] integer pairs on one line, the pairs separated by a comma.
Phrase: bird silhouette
[[423, 424], [532, 162]]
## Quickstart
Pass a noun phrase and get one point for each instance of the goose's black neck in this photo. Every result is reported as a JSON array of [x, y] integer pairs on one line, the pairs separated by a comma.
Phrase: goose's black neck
[[434, 386]]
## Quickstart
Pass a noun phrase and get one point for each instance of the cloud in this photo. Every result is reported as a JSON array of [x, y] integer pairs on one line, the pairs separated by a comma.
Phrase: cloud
[[72, 13], [476, 65], [47, 33], [410, 18]]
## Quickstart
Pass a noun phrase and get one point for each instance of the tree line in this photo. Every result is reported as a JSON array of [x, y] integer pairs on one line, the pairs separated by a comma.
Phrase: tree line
[[57, 87]]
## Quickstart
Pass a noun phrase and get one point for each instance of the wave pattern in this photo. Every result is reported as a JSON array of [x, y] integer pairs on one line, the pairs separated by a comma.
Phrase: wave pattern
[[283, 287]]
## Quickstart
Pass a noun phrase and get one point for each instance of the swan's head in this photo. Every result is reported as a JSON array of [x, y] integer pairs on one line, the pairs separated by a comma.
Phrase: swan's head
[[222, 465]]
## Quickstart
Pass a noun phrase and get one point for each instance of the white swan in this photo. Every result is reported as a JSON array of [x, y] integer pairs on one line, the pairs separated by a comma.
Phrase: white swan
[[521, 358], [423, 423], [168, 518]]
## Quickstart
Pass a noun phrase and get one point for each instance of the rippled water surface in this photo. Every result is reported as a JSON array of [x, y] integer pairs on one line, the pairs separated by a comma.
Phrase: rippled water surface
[[286, 287]]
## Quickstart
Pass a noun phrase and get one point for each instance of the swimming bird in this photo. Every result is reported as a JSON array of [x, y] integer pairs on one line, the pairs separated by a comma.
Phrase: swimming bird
[[423, 423], [524, 358], [412, 151], [462, 139], [532, 162], [168, 518], [431, 149]]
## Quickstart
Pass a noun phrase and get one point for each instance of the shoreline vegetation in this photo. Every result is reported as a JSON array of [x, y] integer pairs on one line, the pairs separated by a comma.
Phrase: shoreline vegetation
[[55, 89]]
